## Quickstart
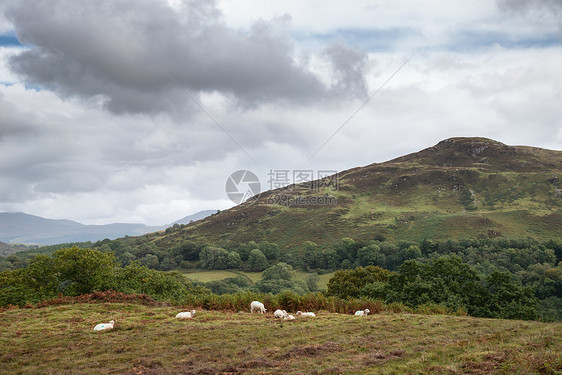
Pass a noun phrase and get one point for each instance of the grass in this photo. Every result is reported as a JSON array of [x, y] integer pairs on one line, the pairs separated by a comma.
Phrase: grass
[[206, 276], [149, 340]]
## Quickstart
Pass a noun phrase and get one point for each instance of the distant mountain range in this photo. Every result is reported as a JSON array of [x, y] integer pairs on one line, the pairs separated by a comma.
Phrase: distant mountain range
[[29, 229]]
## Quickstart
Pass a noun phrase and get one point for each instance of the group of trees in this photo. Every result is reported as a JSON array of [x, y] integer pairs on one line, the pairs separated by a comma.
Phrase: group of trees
[[534, 264], [75, 271], [446, 281], [275, 279]]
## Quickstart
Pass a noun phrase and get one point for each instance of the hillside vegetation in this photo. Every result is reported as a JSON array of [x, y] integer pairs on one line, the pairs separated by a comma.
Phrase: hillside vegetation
[[147, 339], [460, 188], [7, 249]]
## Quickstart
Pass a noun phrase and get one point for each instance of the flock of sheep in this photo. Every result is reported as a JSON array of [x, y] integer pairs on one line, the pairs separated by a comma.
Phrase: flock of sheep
[[254, 306]]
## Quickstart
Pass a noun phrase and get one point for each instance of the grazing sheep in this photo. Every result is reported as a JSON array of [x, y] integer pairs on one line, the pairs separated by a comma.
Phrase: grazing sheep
[[257, 306], [306, 314], [104, 326], [280, 314], [289, 317], [362, 312], [186, 314]]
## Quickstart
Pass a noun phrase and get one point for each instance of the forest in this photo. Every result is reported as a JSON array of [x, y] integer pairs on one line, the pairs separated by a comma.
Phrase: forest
[[518, 278]]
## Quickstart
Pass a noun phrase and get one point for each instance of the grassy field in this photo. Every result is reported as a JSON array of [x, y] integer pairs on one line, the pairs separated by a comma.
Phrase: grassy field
[[149, 340], [206, 276]]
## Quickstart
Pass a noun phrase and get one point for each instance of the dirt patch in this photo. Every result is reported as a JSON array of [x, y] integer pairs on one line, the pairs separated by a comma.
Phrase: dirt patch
[[438, 370], [146, 366], [490, 363], [380, 356], [313, 350], [202, 371], [332, 370], [242, 367]]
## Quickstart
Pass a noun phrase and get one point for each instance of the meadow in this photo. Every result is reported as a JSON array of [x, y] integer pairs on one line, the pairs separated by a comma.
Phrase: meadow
[[147, 339], [216, 275]]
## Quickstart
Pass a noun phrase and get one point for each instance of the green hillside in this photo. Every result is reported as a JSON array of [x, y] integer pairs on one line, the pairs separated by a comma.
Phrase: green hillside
[[149, 340], [460, 188]]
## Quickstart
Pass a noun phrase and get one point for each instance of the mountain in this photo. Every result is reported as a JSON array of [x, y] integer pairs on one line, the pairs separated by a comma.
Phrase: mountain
[[196, 216], [459, 188], [30, 229]]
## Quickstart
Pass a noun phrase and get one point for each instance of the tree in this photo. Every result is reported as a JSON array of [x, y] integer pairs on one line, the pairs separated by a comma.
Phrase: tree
[[345, 248], [151, 261], [214, 258], [233, 260], [189, 250], [370, 256], [330, 257], [245, 249], [257, 261], [280, 271], [83, 270], [126, 258], [312, 282], [508, 299], [167, 264], [270, 250], [349, 283], [312, 257], [446, 280]]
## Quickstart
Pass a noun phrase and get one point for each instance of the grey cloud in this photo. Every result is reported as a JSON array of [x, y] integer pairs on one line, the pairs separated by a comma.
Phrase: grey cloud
[[538, 10], [349, 65], [127, 51]]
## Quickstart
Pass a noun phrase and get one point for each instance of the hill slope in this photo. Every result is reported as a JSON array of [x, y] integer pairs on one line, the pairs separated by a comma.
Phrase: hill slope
[[149, 340], [461, 187], [196, 216]]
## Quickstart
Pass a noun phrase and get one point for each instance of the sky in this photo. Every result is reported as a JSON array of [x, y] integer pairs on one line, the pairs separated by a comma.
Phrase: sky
[[140, 110]]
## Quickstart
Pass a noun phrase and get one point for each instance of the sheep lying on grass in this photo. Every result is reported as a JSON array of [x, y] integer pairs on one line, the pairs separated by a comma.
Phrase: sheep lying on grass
[[289, 317], [104, 326], [280, 314], [306, 314], [362, 312], [186, 314], [257, 306]]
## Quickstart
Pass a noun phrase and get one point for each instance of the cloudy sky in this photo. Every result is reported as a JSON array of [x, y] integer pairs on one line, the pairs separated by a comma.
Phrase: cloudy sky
[[139, 110]]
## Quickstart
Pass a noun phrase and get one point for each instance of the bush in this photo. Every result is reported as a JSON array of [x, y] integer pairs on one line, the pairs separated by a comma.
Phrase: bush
[[257, 261], [214, 258], [350, 283], [280, 271]]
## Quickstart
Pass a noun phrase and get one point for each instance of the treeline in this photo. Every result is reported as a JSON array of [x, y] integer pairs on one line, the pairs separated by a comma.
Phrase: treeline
[[445, 284], [532, 263], [75, 271]]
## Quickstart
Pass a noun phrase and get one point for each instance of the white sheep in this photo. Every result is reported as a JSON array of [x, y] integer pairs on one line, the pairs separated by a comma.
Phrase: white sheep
[[362, 312], [306, 314], [186, 314], [257, 306], [289, 317], [280, 314], [104, 326]]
